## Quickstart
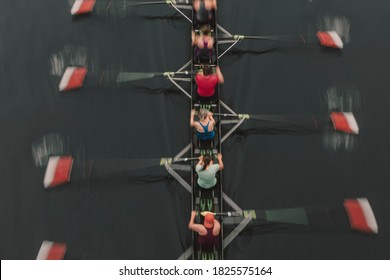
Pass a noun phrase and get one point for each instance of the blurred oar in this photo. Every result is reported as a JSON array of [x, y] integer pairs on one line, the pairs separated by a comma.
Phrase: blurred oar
[[327, 39], [342, 121], [135, 76]]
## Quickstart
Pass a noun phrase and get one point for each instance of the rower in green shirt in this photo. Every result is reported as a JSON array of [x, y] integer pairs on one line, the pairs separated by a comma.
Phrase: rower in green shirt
[[206, 170]]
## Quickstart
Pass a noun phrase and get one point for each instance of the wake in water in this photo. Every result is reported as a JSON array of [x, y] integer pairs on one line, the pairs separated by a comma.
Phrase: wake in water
[[341, 99], [68, 56]]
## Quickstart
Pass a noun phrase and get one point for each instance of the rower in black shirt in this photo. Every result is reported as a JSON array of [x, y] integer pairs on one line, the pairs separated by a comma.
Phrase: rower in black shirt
[[204, 10]]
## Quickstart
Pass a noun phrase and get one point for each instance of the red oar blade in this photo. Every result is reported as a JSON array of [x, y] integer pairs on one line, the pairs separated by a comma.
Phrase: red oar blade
[[51, 251], [82, 7], [58, 171], [344, 122], [73, 78], [360, 215], [330, 39]]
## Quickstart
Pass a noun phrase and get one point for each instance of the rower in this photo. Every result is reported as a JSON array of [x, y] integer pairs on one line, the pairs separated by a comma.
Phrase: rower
[[206, 81], [208, 232], [204, 126], [207, 171], [204, 43], [204, 10]]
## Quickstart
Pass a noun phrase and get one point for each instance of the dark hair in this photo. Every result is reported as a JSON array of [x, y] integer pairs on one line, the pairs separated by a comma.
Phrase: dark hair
[[206, 161], [206, 70], [205, 30]]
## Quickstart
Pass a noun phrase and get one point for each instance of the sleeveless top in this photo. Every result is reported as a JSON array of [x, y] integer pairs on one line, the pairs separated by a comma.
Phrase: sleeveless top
[[206, 135], [205, 53], [206, 84], [208, 241], [203, 15]]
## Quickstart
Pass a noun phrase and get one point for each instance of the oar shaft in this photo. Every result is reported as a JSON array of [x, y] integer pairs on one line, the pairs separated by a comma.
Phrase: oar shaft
[[224, 115], [299, 38], [185, 159], [134, 4], [135, 76]]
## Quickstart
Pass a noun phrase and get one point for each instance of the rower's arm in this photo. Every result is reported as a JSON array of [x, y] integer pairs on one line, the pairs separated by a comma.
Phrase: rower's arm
[[215, 4], [217, 227], [220, 162], [196, 5], [200, 229], [192, 121], [221, 80], [212, 119], [193, 37]]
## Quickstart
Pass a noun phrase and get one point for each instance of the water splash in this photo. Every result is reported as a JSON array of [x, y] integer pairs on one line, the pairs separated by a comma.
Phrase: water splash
[[49, 145], [112, 8], [341, 99], [69, 56], [340, 24]]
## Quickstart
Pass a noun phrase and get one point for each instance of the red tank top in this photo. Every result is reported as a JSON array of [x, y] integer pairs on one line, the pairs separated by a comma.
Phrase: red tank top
[[206, 84], [209, 240]]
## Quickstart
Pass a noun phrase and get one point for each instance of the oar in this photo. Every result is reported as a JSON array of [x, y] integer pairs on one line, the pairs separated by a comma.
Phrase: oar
[[342, 121], [135, 76], [354, 213], [228, 214], [327, 39], [61, 169], [281, 38], [134, 4], [184, 159]]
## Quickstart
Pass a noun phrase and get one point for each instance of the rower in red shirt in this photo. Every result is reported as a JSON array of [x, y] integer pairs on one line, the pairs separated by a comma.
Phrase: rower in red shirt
[[206, 81]]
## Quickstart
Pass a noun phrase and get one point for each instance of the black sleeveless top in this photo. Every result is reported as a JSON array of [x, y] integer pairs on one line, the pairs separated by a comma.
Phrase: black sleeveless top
[[203, 15], [209, 240]]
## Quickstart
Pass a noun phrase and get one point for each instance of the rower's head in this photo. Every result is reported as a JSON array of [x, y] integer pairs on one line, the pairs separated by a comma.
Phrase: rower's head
[[205, 30], [207, 70], [206, 161], [203, 113], [209, 221]]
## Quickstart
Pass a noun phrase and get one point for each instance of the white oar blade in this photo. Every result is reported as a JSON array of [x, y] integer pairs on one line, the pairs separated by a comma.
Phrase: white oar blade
[[133, 76], [344, 122], [58, 171], [360, 215], [82, 7], [330, 39], [51, 251], [73, 78]]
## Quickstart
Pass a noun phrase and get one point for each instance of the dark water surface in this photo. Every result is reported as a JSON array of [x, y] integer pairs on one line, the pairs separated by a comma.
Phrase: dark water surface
[[144, 214]]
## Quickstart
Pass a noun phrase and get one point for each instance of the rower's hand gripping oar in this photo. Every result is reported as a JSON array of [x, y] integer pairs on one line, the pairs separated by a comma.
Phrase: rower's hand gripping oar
[[226, 214]]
